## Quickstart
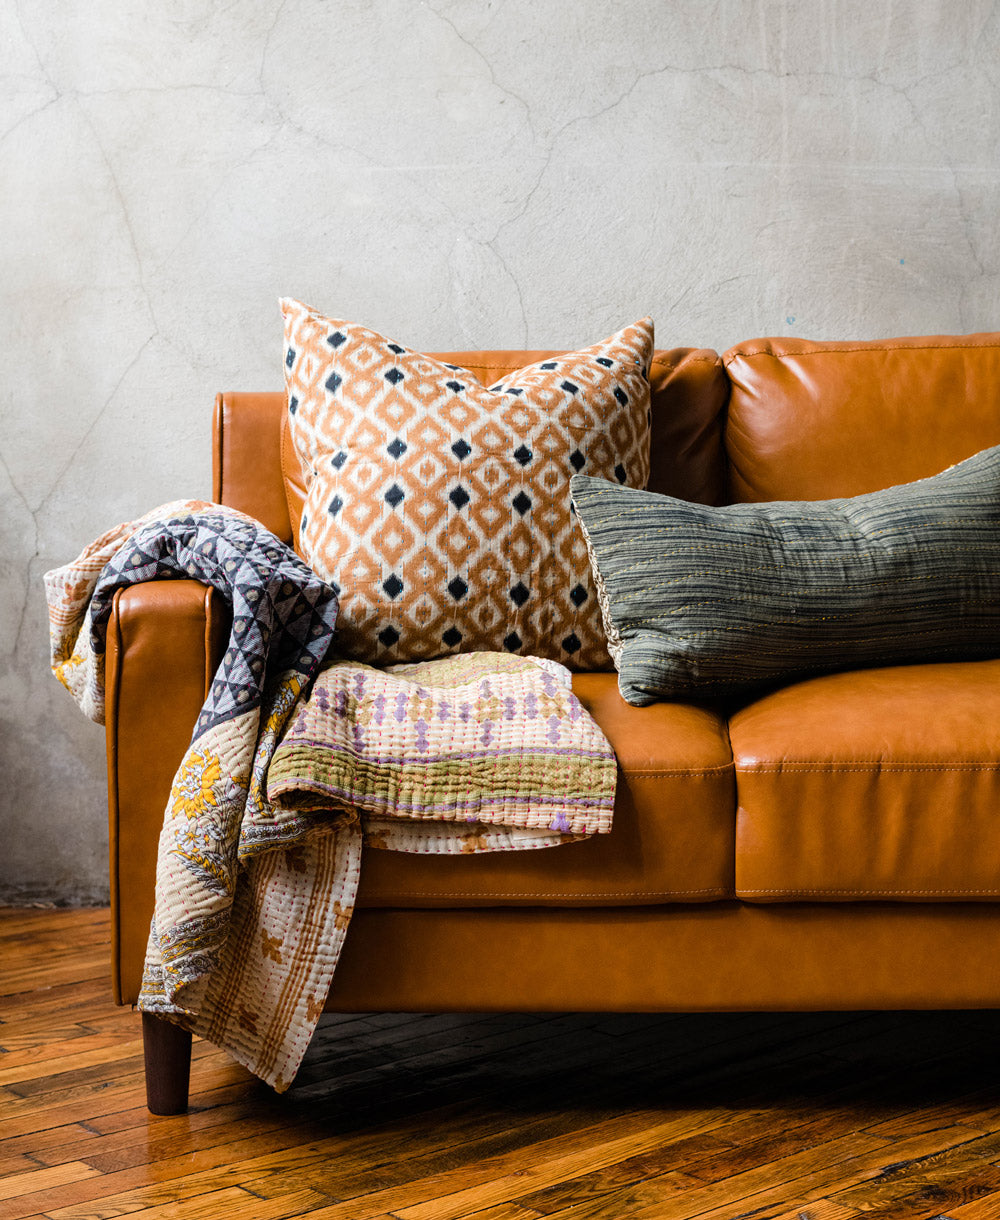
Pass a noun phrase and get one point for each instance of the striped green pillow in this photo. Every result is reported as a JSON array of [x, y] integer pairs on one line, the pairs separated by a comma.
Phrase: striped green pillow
[[701, 601]]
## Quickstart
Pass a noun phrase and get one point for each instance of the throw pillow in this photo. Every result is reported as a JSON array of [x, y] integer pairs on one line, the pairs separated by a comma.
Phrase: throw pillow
[[721, 601], [438, 508]]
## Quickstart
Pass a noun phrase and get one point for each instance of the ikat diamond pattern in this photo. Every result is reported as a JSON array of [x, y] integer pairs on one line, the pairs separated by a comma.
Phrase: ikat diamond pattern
[[438, 508]]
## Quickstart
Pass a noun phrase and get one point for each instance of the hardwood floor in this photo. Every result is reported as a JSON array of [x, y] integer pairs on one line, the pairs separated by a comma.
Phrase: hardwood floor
[[574, 1117]]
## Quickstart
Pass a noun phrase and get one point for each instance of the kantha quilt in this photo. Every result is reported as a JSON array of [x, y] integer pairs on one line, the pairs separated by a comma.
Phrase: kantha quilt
[[259, 853]]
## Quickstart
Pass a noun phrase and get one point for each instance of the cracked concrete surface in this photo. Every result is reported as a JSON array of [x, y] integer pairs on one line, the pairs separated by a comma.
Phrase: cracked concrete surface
[[457, 173]]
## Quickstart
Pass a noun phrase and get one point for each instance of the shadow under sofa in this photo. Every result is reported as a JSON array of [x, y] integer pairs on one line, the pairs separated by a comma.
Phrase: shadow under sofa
[[834, 844]]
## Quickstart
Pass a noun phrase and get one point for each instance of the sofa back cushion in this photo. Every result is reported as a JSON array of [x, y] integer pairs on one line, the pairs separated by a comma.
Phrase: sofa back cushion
[[814, 421], [438, 508], [701, 601]]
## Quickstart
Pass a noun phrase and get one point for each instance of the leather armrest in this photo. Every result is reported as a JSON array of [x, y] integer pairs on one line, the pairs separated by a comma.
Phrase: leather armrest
[[165, 639]]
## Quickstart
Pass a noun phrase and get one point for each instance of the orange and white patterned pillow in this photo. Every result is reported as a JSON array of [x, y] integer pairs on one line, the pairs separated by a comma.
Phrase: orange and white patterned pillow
[[440, 509]]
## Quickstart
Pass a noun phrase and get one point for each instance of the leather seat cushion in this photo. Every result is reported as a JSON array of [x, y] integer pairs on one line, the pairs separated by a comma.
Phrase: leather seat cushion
[[874, 784], [672, 839]]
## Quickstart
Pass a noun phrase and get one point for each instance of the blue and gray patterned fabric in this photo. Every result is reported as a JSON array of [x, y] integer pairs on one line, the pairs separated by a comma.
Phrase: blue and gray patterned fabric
[[283, 615], [701, 601]]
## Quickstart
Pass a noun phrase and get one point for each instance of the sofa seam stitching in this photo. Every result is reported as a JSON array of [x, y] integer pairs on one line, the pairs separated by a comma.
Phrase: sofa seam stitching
[[873, 768], [803, 890], [693, 773], [834, 351]]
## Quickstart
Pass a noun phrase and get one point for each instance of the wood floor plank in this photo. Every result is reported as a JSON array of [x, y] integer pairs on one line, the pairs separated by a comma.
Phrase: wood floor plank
[[944, 1177], [596, 1153], [817, 1170], [985, 1208], [10, 1165], [659, 1163], [747, 1192], [233, 1202], [20, 1184], [819, 1209], [175, 1177], [33, 1066], [781, 1116], [30, 1035], [504, 1211], [32, 1003], [920, 1200], [40, 1143]]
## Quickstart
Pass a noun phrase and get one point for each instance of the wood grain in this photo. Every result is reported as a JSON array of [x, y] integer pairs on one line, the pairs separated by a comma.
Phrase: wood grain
[[494, 1117]]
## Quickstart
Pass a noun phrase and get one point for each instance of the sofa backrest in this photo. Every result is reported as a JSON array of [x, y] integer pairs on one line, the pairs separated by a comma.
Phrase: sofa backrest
[[812, 421], [805, 421], [256, 471]]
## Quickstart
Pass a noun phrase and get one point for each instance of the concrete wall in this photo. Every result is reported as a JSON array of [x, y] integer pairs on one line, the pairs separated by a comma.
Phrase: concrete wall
[[458, 174]]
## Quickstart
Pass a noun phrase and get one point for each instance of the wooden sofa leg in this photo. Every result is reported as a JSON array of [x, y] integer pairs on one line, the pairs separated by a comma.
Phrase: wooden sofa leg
[[167, 1051]]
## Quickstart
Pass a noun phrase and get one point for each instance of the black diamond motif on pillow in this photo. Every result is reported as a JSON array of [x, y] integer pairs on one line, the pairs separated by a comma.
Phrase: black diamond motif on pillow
[[569, 387], [290, 358], [571, 643], [455, 368], [393, 586], [512, 642], [394, 376], [549, 364], [455, 385], [459, 496], [394, 347], [333, 382], [621, 395], [496, 389], [519, 594], [577, 460], [516, 392], [396, 448], [621, 474], [461, 449], [452, 637], [335, 505], [336, 339], [293, 402], [338, 460], [605, 361], [578, 595], [521, 502], [457, 588], [388, 636], [394, 495], [523, 455]]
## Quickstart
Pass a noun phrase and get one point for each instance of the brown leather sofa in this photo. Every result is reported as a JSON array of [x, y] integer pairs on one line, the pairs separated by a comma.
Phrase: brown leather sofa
[[832, 845]]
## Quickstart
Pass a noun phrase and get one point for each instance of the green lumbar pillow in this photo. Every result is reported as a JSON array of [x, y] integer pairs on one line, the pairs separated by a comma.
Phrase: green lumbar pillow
[[701, 601]]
